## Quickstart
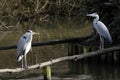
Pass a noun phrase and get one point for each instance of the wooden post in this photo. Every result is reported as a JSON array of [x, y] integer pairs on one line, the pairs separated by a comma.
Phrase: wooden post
[[107, 59], [110, 58], [117, 57], [75, 65], [95, 59], [87, 61], [86, 49], [47, 72]]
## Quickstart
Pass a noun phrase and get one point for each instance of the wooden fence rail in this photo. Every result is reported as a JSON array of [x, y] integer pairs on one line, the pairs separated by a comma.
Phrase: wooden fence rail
[[52, 61], [51, 42]]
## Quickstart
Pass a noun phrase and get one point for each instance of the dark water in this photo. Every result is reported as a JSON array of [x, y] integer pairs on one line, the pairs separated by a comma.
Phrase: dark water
[[57, 29]]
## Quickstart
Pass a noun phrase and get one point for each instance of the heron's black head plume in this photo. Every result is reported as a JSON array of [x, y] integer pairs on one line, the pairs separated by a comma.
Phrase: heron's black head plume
[[29, 31]]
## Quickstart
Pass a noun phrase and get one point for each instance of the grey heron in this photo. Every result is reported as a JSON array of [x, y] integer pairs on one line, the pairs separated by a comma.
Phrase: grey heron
[[24, 46], [101, 30]]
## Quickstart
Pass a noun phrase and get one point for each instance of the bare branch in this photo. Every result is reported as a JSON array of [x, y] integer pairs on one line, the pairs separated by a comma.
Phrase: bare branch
[[53, 61]]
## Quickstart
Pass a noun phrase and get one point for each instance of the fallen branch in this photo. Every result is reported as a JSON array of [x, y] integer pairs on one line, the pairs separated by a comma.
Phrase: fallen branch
[[52, 61]]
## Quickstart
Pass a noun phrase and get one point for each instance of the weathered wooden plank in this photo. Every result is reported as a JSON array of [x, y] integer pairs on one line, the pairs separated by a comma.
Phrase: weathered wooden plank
[[53, 61]]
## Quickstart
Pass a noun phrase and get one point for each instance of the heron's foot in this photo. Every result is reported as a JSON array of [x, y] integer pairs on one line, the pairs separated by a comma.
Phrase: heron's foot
[[25, 67], [22, 66], [101, 48]]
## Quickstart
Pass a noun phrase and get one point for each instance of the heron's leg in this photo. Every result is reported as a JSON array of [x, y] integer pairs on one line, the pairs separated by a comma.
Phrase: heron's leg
[[25, 62], [22, 63], [101, 42]]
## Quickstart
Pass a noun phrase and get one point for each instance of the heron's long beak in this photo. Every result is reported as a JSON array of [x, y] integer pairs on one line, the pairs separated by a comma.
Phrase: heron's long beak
[[33, 33], [89, 15]]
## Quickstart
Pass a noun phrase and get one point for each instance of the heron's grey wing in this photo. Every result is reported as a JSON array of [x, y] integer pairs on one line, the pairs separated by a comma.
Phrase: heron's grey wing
[[21, 46], [103, 31]]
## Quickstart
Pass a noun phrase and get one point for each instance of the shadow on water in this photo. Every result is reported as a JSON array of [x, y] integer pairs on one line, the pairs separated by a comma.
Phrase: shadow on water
[[99, 70], [58, 29]]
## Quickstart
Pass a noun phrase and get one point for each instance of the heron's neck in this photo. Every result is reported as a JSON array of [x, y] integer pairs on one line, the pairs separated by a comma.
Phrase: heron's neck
[[96, 18]]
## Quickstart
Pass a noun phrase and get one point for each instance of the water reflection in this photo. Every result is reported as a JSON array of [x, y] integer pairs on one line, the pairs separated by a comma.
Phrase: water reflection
[[104, 72], [98, 70]]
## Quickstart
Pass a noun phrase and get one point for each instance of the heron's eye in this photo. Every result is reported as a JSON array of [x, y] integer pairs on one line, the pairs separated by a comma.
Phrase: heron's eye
[[28, 31], [24, 37]]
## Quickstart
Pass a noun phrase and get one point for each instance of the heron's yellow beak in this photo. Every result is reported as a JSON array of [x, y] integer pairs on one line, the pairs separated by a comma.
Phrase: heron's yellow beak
[[88, 15], [33, 33]]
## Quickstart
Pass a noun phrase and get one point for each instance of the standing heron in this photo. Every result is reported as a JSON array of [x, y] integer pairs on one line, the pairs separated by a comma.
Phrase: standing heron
[[24, 46], [101, 30]]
